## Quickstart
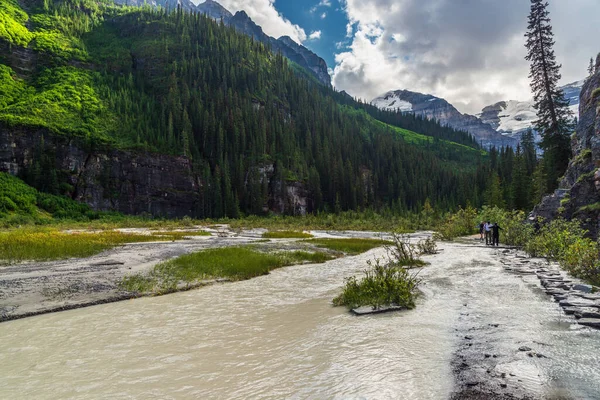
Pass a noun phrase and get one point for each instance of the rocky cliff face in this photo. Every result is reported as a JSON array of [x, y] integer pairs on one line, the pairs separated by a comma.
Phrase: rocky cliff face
[[439, 109], [579, 192], [130, 182], [108, 180]]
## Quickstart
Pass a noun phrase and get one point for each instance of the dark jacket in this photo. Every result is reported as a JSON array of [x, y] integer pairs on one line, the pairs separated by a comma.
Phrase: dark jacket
[[496, 230]]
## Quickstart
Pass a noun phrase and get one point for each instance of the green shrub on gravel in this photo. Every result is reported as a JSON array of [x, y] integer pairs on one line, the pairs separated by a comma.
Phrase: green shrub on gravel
[[382, 285]]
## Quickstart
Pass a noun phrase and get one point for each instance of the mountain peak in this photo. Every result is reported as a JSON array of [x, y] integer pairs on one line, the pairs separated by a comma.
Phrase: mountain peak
[[432, 107]]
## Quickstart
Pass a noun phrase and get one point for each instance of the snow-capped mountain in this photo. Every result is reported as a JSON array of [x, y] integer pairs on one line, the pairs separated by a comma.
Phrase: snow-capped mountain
[[513, 117], [445, 113], [509, 117], [500, 124]]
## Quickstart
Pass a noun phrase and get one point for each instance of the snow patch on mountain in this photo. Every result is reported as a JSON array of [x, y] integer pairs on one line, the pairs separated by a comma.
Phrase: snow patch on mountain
[[392, 102], [512, 118]]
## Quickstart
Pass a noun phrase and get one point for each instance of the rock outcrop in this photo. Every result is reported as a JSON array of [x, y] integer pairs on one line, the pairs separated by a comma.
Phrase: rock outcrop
[[107, 179], [131, 182], [578, 195]]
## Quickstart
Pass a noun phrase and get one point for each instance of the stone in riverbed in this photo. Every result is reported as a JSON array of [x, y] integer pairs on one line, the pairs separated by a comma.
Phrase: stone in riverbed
[[524, 348], [553, 292], [560, 297], [583, 288], [570, 302], [368, 310], [587, 312], [524, 271], [591, 322], [587, 296], [571, 310]]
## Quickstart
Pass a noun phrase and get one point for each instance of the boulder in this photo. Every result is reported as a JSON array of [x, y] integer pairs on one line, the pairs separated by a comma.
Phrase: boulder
[[571, 302], [591, 322], [583, 288], [587, 312]]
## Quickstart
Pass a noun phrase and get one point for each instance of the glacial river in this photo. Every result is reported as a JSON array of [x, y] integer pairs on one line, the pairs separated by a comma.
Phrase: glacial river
[[277, 337]]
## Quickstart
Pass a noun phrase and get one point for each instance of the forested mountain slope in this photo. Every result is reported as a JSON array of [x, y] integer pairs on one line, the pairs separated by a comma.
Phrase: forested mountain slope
[[141, 110]]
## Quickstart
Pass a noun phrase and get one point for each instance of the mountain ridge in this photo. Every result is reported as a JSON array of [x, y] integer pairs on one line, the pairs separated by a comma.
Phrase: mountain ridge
[[499, 124], [242, 22], [436, 108]]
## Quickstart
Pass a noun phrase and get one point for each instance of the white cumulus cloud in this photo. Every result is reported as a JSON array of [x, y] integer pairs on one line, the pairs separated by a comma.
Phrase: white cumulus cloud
[[469, 52], [316, 35]]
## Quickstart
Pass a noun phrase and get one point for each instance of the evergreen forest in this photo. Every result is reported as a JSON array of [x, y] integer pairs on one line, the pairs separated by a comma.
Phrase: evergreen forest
[[178, 83]]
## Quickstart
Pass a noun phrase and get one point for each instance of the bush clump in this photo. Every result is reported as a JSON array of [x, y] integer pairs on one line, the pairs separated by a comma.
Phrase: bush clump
[[558, 240], [383, 285]]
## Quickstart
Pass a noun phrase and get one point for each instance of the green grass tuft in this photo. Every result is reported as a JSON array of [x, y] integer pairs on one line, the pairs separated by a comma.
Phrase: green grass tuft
[[286, 235], [49, 244], [349, 246], [235, 263]]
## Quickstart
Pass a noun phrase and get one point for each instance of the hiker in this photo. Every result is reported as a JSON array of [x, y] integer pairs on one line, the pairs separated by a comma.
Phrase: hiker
[[481, 231], [496, 234], [488, 232]]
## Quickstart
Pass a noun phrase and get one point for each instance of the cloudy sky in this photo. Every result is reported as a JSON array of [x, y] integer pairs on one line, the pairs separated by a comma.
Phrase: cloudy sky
[[469, 52]]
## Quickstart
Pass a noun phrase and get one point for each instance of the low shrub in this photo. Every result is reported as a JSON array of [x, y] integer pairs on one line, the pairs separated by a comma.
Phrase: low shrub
[[462, 223], [383, 285], [403, 252], [427, 246]]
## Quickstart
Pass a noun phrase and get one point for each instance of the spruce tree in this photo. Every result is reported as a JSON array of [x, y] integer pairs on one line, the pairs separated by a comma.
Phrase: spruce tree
[[554, 117], [591, 67]]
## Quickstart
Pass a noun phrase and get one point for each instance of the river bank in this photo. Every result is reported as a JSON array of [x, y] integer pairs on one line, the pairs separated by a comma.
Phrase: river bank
[[482, 329], [35, 288]]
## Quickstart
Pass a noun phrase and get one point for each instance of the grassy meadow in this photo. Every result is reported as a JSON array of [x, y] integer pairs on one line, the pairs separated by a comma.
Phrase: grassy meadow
[[45, 244], [232, 263]]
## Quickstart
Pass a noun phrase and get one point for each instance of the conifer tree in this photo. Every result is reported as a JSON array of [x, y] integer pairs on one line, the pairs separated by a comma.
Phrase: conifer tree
[[554, 117], [591, 67]]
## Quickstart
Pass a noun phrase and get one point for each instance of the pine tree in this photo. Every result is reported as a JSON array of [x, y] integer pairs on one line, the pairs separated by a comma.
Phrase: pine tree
[[493, 195], [591, 67], [554, 117], [529, 152], [521, 182]]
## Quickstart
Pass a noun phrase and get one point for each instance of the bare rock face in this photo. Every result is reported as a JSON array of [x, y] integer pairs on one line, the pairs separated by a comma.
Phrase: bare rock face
[[132, 182], [579, 193], [108, 179]]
